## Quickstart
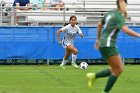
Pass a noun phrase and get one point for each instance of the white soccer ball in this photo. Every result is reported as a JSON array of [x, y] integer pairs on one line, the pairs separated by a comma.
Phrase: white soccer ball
[[83, 65]]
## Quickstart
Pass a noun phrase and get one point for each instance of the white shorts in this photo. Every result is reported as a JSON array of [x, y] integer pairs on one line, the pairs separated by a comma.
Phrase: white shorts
[[66, 44]]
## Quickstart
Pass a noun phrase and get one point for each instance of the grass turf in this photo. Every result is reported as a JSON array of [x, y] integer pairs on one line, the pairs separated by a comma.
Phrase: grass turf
[[53, 79]]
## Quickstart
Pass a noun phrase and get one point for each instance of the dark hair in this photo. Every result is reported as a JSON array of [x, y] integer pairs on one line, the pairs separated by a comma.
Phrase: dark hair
[[73, 17], [66, 24]]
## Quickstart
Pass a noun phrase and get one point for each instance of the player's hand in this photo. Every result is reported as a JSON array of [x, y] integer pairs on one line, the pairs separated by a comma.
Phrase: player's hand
[[96, 44], [59, 42], [81, 35]]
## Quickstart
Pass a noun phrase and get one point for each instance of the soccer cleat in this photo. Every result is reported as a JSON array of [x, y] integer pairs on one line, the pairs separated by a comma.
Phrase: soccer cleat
[[62, 66], [75, 65], [91, 79]]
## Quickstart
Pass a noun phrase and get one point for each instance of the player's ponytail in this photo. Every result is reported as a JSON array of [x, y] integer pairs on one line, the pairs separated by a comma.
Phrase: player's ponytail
[[121, 6]]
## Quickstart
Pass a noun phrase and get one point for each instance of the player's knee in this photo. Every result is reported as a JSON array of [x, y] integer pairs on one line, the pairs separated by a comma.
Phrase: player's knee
[[75, 52], [119, 71]]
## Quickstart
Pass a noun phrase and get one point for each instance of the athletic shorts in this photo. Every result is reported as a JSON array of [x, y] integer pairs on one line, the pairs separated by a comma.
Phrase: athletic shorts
[[66, 44], [108, 51]]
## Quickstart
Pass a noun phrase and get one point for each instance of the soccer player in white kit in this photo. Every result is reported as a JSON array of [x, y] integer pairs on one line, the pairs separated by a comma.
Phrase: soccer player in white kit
[[70, 31]]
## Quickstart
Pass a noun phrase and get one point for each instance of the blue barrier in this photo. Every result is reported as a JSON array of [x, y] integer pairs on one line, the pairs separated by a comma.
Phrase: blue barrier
[[41, 43]]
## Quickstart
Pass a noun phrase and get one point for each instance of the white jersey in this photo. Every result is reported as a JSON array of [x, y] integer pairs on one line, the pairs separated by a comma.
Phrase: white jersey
[[70, 33]]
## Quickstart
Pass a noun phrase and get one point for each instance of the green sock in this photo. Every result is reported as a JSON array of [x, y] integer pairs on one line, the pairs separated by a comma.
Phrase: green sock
[[103, 73], [111, 81]]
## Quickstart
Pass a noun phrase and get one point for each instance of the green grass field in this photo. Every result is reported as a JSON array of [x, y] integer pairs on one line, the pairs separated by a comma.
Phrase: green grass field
[[53, 79]]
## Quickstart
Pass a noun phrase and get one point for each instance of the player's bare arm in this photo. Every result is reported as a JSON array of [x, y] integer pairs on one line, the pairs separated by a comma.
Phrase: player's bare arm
[[99, 29], [130, 32], [58, 36], [81, 35]]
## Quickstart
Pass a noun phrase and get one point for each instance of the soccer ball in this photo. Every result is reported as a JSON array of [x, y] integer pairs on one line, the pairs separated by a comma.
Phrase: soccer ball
[[83, 65]]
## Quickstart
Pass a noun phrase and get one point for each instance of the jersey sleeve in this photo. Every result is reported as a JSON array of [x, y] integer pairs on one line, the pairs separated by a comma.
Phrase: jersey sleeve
[[65, 28], [121, 22], [79, 30]]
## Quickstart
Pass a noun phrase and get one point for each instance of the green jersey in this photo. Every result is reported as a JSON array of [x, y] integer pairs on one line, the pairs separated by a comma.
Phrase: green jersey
[[113, 22]]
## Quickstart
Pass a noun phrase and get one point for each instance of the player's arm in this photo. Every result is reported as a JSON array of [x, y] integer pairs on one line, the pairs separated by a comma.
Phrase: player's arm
[[99, 29], [58, 36], [63, 29], [130, 32], [80, 32], [81, 35]]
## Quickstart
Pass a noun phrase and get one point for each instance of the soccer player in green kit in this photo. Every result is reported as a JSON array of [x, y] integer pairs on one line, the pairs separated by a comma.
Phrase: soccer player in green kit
[[113, 21]]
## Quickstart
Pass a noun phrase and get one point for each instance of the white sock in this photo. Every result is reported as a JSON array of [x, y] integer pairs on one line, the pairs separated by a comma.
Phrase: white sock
[[63, 62], [74, 58]]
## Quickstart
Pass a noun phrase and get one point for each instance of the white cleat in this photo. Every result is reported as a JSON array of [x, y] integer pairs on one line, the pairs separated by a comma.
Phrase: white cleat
[[74, 65]]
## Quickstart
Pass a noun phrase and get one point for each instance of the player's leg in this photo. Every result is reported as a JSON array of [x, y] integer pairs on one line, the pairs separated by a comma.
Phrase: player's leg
[[115, 63], [104, 73], [106, 52], [68, 52], [93, 76], [74, 54]]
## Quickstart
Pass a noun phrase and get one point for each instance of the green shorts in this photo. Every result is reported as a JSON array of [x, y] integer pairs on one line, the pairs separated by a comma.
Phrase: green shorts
[[108, 51]]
